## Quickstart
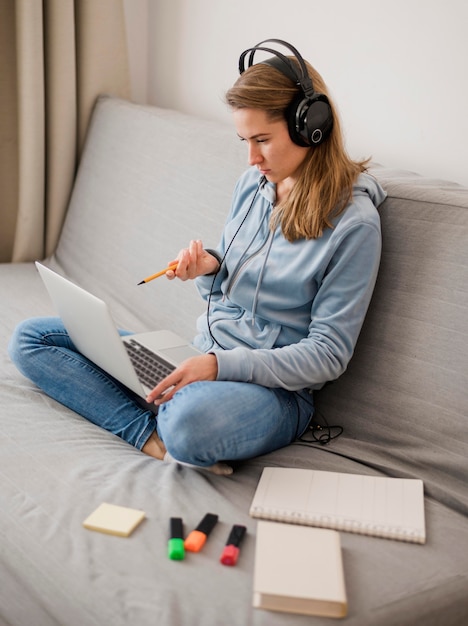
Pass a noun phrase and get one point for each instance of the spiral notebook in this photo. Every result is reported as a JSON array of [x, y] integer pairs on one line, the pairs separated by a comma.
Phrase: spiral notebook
[[371, 505]]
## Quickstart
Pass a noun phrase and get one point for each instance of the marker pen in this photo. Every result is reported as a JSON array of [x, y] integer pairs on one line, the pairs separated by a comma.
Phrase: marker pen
[[175, 545], [196, 539], [231, 550]]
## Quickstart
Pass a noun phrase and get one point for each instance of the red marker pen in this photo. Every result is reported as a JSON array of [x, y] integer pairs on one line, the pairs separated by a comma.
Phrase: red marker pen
[[196, 539], [231, 550]]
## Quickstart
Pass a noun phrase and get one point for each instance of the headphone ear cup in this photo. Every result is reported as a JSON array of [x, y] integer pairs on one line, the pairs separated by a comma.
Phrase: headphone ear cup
[[291, 115], [309, 121]]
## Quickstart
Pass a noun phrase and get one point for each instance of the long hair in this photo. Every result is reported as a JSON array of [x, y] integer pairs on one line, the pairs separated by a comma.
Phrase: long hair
[[325, 183]]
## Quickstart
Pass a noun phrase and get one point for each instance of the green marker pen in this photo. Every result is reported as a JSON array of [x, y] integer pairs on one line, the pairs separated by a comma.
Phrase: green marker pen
[[175, 545]]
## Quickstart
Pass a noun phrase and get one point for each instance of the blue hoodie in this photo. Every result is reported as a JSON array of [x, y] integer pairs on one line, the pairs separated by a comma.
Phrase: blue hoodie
[[288, 314]]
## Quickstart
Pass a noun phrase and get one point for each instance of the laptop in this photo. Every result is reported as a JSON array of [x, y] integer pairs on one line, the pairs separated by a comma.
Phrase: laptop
[[138, 361]]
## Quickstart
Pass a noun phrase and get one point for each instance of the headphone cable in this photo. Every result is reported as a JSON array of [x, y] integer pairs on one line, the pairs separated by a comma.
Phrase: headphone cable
[[260, 183]]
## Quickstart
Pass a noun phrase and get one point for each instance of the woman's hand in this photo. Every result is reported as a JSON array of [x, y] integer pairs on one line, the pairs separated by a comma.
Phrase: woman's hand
[[192, 262], [203, 367]]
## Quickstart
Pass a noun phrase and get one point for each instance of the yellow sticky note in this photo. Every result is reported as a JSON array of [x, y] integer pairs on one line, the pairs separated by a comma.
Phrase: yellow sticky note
[[114, 520]]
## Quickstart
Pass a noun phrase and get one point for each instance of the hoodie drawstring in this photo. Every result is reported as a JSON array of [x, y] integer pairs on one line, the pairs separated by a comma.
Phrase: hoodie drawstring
[[260, 276]]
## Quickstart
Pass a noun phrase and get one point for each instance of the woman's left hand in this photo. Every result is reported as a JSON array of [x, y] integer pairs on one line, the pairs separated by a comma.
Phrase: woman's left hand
[[203, 367]]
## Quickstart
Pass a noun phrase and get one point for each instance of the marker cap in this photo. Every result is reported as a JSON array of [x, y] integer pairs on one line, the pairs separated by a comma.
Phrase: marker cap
[[175, 549], [230, 555]]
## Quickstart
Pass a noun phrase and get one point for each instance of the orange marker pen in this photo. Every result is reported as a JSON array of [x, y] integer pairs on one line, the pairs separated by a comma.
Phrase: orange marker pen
[[196, 539]]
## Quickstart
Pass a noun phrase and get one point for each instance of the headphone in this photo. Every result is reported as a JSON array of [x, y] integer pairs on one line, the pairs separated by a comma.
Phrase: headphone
[[309, 114]]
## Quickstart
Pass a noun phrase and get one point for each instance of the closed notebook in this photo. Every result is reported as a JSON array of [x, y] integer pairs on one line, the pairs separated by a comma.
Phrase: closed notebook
[[299, 569], [370, 505]]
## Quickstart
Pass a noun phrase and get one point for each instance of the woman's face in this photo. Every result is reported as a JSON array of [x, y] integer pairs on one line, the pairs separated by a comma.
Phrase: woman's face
[[270, 147]]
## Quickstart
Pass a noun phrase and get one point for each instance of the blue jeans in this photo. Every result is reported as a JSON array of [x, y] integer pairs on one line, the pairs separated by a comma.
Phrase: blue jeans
[[204, 423]]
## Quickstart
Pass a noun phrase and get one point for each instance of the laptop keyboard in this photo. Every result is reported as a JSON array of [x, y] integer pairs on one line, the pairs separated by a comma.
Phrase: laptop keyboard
[[150, 367]]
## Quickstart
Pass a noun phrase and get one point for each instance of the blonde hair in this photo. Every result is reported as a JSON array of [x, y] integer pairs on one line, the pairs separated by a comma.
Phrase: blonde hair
[[325, 183]]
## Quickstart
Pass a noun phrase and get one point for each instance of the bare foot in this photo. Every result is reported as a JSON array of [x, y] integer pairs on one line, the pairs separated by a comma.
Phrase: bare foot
[[154, 447]]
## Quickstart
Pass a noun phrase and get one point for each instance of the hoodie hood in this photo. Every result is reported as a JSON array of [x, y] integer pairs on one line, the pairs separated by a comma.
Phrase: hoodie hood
[[365, 184]]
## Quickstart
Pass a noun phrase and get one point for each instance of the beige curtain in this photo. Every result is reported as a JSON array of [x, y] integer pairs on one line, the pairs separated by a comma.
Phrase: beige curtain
[[56, 57]]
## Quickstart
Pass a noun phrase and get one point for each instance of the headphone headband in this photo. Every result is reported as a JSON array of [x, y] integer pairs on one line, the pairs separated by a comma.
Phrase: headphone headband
[[302, 79]]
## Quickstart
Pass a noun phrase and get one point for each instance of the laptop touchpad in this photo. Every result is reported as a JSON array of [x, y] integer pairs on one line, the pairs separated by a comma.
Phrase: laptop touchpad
[[178, 353]]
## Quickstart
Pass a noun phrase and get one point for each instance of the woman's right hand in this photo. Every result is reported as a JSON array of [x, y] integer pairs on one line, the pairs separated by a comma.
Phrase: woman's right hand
[[192, 262]]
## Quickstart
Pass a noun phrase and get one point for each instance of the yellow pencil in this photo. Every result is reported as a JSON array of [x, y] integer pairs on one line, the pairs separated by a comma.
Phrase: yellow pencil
[[158, 274]]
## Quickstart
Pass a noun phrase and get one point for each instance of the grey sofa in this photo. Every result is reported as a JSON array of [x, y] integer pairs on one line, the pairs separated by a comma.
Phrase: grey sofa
[[150, 180]]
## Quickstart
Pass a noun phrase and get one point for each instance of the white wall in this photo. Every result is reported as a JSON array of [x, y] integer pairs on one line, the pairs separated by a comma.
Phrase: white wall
[[396, 68]]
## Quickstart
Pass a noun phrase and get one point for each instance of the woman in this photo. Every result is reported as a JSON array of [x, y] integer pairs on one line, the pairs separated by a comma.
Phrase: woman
[[287, 289]]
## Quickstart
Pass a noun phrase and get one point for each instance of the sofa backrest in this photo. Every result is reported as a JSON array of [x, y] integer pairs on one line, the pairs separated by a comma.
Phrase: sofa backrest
[[150, 180], [404, 397]]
